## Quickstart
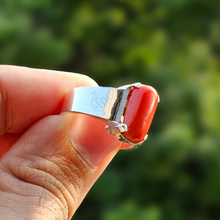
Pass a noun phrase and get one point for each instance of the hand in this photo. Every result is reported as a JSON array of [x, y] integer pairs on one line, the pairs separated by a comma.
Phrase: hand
[[48, 160]]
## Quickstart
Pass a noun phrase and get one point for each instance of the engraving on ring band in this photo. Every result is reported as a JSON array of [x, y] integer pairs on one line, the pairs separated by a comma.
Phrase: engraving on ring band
[[98, 101]]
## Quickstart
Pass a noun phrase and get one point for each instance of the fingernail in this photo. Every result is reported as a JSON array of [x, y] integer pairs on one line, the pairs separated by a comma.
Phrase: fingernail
[[89, 137]]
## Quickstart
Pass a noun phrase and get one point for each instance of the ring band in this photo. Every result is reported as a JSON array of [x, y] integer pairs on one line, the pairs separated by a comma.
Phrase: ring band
[[114, 106]]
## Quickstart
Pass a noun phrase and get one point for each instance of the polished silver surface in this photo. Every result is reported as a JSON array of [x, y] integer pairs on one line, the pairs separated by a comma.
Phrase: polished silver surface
[[105, 103]]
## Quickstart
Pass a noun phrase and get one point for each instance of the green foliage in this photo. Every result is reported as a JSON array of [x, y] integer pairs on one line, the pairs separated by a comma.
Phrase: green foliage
[[169, 44]]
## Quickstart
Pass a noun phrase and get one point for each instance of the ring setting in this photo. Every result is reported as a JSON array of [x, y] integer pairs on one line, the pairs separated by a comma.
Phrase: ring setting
[[127, 110]]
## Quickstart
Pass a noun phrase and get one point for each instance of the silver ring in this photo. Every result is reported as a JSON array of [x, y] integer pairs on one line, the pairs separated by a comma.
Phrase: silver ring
[[112, 105]]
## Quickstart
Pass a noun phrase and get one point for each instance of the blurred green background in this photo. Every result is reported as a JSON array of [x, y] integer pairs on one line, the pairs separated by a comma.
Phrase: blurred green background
[[172, 45]]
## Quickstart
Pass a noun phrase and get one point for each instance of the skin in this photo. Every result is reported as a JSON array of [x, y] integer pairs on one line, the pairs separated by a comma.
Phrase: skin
[[44, 173]]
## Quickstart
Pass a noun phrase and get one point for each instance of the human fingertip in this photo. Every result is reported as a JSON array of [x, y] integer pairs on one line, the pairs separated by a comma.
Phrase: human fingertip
[[89, 137]]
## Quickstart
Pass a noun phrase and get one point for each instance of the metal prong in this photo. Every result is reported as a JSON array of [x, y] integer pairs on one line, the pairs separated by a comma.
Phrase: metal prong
[[115, 128], [137, 85], [145, 138]]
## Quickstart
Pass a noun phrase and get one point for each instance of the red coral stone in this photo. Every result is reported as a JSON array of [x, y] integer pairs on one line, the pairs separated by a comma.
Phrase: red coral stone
[[141, 106]]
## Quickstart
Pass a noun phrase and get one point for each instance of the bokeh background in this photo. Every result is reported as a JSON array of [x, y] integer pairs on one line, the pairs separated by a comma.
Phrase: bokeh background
[[172, 45]]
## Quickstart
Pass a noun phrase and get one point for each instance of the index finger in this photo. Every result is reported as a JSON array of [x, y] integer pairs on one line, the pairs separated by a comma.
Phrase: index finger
[[27, 95]]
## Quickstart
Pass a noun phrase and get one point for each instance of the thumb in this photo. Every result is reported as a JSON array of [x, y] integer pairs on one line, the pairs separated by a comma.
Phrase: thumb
[[48, 172]]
